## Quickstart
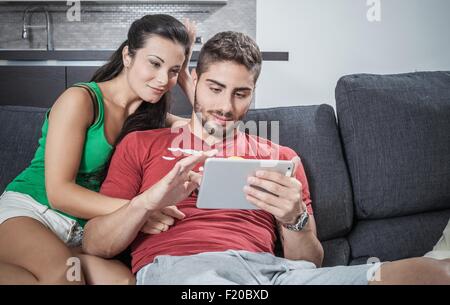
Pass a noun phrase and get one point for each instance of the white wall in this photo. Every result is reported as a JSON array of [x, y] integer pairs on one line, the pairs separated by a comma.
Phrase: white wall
[[330, 38]]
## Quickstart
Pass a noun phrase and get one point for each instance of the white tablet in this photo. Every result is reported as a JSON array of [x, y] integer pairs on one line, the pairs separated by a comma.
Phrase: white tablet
[[224, 180]]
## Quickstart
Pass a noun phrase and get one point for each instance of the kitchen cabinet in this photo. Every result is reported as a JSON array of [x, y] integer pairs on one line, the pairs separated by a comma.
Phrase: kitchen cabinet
[[40, 86], [79, 74], [37, 78], [180, 104], [37, 86]]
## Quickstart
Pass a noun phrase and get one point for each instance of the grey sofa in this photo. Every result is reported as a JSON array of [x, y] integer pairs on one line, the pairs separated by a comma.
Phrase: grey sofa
[[379, 179]]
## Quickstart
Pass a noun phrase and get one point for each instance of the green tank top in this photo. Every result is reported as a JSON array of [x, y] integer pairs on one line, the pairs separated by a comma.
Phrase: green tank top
[[96, 153]]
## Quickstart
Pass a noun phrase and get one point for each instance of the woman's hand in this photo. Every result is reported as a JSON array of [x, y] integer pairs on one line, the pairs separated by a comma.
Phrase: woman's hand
[[160, 221], [184, 78], [191, 27], [177, 185]]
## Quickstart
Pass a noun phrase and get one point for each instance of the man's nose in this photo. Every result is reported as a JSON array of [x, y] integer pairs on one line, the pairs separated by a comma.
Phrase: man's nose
[[227, 106]]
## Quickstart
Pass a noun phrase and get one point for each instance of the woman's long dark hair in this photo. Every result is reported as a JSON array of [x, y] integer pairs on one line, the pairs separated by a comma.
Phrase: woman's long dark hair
[[148, 115]]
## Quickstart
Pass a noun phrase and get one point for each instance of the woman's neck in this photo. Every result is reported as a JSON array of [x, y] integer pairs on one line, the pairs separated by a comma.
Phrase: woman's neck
[[118, 92]]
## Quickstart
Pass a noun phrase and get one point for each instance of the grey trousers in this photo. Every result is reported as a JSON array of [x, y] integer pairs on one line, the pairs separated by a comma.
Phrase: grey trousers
[[247, 268]]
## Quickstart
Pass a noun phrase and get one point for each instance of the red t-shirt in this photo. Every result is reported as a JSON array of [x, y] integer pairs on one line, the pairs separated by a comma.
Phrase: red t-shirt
[[144, 157]]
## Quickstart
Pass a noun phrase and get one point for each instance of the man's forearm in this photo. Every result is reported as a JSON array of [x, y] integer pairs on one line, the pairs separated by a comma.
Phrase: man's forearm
[[302, 245], [108, 235]]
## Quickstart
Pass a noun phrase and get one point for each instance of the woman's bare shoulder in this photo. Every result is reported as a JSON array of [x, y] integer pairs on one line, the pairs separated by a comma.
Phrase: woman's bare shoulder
[[74, 104]]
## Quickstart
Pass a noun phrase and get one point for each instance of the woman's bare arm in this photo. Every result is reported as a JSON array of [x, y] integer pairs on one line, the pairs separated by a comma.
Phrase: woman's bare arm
[[69, 120]]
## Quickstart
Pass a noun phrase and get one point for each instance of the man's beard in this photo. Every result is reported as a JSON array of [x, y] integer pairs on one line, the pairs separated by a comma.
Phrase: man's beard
[[213, 129]]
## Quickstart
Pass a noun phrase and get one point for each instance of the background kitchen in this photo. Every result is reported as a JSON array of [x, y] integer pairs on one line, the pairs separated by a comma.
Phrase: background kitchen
[[307, 44]]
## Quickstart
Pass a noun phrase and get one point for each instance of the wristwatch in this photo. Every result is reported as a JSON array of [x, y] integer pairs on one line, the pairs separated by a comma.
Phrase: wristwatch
[[301, 222]]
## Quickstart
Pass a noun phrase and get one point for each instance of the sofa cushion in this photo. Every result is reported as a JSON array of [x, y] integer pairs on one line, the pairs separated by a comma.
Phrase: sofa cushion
[[19, 134], [336, 252], [312, 132], [395, 133], [397, 238]]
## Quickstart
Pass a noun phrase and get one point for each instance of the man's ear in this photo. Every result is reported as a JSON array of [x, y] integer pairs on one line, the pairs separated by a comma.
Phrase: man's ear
[[194, 76], [126, 58]]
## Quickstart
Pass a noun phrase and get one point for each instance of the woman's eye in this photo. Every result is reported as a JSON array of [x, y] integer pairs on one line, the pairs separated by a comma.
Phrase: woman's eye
[[155, 64]]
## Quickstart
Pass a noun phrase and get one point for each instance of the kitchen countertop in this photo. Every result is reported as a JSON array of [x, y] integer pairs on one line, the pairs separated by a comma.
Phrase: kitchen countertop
[[85, 57]]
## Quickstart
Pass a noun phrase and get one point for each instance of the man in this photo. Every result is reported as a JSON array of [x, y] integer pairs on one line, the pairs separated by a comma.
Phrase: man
[[222, 246]]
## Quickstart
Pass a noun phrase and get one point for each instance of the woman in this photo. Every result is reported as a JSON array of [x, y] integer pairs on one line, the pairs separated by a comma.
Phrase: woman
[[43, 210]]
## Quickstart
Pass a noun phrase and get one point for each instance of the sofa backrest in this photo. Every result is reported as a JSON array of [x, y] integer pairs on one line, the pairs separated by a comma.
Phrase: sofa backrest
[[396, 135], [20, 129], [395, 131]]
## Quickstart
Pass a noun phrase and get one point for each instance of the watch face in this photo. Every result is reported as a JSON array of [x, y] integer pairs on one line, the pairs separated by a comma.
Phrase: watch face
[[304, 220], [301, 223]]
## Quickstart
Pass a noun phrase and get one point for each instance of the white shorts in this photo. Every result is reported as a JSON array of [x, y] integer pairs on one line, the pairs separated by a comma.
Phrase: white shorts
[[442, 249], [13, 204]]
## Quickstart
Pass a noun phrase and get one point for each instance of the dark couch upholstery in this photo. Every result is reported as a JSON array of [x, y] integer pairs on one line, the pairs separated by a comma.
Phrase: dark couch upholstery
[[395, 131], [379, 180]]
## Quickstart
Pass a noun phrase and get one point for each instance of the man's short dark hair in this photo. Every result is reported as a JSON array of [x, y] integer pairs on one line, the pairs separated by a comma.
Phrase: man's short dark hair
[[230, 46]]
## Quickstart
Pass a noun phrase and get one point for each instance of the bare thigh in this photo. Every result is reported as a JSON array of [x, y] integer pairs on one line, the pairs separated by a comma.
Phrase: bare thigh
[[413, 271], [28, 244]]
